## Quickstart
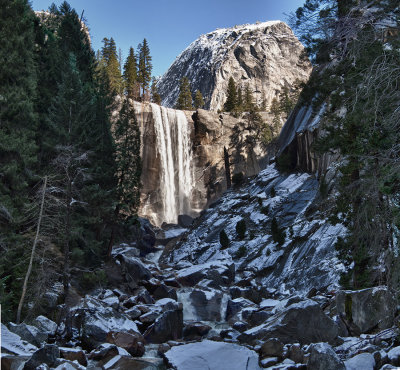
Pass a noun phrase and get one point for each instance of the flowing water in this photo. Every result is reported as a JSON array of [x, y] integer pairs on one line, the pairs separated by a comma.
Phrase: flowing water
[[174, 150]]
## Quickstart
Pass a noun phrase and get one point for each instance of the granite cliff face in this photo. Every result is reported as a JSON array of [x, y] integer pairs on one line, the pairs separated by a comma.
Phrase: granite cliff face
[[265, 56], [185, 171]]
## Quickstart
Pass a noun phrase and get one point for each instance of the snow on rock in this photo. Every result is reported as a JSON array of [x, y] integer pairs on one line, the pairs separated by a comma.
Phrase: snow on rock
[[265, 56], [13, 344], [306, 260], [363, 361], [213, 356]]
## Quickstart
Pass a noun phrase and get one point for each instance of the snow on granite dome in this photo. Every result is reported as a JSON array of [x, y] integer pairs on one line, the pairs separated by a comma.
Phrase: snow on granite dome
[[265, 56]]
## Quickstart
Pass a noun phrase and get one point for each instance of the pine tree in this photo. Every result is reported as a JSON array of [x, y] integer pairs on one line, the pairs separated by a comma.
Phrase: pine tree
[[248, 103], [131, 75], [240, 103], [231, 100], [198, 100], [129, 166], [18, 151], [145, 67], [185, 96], [155, 96], [111, 65]]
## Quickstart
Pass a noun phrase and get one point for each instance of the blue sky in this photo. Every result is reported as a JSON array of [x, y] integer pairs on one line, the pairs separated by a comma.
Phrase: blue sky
[[168, 25]]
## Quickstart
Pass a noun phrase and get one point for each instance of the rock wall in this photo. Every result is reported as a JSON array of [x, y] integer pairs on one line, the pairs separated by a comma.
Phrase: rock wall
[[266, 57], [209, 134]]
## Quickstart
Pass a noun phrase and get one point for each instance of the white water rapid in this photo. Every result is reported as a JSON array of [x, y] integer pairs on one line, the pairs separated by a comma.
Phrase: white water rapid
[[174, 150]]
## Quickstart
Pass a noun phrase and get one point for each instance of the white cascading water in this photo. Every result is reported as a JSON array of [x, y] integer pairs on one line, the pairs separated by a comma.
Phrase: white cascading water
[[173, 147]]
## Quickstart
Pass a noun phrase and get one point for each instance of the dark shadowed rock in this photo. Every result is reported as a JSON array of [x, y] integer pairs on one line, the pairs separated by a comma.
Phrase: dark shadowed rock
[[272, 348], [303, 322], [168, 326], [130, 363], [133, 270], [73, 354], [185, 221], [323, 357], [132, 343], [207, 304], [29, 333], [195, 330], [46, 355], [366, 310]]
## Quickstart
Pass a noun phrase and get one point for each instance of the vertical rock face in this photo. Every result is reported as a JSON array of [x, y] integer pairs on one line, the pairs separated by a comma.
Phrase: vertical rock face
[[183, 159], [266, 57]]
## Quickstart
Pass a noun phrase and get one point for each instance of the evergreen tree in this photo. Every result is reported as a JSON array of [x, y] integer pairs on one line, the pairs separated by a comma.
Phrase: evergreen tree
[[248, 100], [131, 75], [198, 100], [240, 103], [231, 100], [155, 96], [18, 151], [129, 166], [145, 67], [185, 96], [111, 65]]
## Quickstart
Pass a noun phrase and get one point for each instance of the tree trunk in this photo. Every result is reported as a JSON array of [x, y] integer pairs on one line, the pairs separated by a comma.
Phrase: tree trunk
[[227, 169], [28, 273]]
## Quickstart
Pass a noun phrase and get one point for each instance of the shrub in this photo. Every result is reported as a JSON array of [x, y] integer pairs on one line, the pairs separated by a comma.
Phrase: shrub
[[95, 279], [278, 234], [265, 210], [238, 179], [241, 229], [223, 239], [241, 252]]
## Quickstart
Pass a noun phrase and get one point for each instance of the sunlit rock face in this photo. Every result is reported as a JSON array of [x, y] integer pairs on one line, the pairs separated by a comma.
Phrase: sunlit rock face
[[182, 154], [265, 56]]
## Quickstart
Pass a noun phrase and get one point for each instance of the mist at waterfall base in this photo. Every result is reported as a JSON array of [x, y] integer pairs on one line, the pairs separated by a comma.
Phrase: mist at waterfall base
[[173, 149]]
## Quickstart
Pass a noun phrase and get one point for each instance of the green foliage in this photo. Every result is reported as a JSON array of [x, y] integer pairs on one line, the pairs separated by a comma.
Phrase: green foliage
[[278, 234], [145, 67], [131, 75], [241, 229], [155, 96], [198, 100], [93, 280], [223, 239], [241, 252], [185, 96], [112, 68], [231, 100], [238, 179]]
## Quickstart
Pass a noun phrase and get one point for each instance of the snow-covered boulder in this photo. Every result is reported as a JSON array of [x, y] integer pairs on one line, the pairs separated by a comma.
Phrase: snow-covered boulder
[[45, 325], [168, 326], [363, 361], [29, 333], [213, 356], [49, 354], [394, 356], [323, 357], [13, 344]]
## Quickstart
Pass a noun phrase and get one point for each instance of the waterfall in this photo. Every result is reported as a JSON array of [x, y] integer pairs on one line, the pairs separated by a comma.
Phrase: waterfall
[[174, 151]]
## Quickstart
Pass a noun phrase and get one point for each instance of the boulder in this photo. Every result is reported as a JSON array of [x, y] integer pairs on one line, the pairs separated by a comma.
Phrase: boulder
[[46, 355], [13, 362], [394, 356], [269, 361], [366, 310], [217, 273], [168, 326], [29, 333], [100, 319], [235, 306], [185, 221], [162, 291], [127, 362], [207, 304], [323, 357], [132, 343], [212, 355], [74, 354], [303, 322], [195, 330], [13, 344], [45, 325], [295, 353], [133, 270], [363, 361], [272, 348]]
